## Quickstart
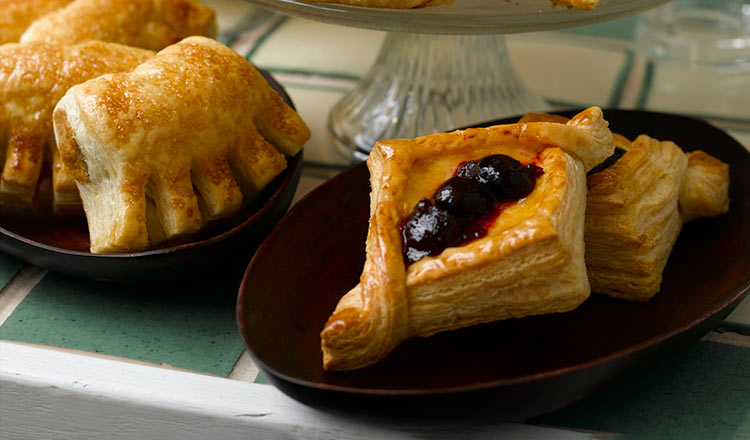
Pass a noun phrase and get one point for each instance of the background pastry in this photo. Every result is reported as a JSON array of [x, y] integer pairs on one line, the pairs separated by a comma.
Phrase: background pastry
[[578, 4], [197, 116], [33, 77], [632, 219], [17, 15], [637, 202], [529, 260], [149, 24]]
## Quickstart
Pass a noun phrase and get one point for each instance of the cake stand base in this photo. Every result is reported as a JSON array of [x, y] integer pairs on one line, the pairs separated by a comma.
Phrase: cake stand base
[[421, 84]]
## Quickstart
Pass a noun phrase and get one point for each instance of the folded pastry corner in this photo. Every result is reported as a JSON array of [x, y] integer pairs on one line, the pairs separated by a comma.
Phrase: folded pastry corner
[[705, 188], [180, 141], [466, 228], [637, 202], [33, 77], [149, 24]]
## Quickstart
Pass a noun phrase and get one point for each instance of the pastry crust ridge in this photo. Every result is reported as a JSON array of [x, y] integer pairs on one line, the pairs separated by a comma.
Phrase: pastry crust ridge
[[150, 24]]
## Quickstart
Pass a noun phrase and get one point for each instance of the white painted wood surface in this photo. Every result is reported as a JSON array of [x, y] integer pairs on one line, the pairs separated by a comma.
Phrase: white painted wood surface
[[49, 394]]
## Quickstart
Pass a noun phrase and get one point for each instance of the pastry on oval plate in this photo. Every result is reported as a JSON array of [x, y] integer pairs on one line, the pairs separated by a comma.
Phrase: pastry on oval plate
[[196, 117], [17, 15], [33, 77], [637, 202], [149, 24], [466, 228]]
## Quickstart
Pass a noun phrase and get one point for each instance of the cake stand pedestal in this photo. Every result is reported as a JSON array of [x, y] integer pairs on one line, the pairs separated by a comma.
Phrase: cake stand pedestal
[[440, 67]]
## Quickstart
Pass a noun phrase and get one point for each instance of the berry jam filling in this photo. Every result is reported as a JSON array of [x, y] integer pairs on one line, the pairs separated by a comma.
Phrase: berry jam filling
[[465, 206], [608, 162]]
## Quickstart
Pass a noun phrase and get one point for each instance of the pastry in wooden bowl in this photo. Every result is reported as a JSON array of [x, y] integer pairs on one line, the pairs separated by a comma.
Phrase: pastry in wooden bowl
[[17, 15], [33, 77], [182, 140], [466, 228], [637, 202], [149, 24]]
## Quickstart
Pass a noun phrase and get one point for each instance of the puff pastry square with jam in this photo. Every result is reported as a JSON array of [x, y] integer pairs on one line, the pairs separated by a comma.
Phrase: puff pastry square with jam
[[637, 202], [149, 24], [33, 77], [529, 262], [180, 141]]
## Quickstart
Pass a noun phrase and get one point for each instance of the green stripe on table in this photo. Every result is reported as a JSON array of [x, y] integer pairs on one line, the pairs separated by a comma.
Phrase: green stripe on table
[[702, 393], [9, 266], [191, 328]]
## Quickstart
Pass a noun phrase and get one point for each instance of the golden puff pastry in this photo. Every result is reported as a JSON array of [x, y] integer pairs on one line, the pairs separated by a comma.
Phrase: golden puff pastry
[[705, 188], [149, 24], [196, 117], [577, 4], [17, 15], [636, 205], [529, 262], [33, 77]]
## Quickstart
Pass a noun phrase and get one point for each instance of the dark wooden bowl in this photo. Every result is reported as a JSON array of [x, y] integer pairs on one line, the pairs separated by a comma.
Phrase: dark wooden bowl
[[62, 244], [512, 369]]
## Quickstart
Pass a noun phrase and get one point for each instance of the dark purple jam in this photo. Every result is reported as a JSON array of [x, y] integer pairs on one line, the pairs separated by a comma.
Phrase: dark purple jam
[[608, 162], [464, 206]]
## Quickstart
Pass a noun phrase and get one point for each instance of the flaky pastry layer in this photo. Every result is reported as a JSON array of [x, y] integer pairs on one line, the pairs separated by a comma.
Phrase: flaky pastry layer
[[33, 78], [180, 141], [636, 208], [530, 262]]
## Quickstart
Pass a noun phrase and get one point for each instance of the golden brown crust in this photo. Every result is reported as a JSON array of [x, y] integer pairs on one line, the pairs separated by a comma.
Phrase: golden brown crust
[[542, 234], [577, 4], [632, 215], [150, 24], [33, 77], [705, 188], [17, 15], [196, 115]]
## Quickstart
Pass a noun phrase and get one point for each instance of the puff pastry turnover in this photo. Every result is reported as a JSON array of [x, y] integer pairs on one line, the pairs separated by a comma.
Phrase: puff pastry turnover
[[149, 24], [529, 262], [17, 15], [636, 206], [196, 117], [33, 77]]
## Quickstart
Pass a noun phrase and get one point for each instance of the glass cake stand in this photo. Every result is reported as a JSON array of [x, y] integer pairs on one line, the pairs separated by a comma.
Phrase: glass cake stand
[[441, 67]]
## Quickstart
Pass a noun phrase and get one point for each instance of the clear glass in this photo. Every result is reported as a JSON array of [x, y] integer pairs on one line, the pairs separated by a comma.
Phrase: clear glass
[[708, 33], [421, 84]]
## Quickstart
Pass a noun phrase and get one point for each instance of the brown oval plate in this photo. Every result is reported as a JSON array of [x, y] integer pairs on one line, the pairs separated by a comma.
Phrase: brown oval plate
[[515, 368], [62, 244]]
